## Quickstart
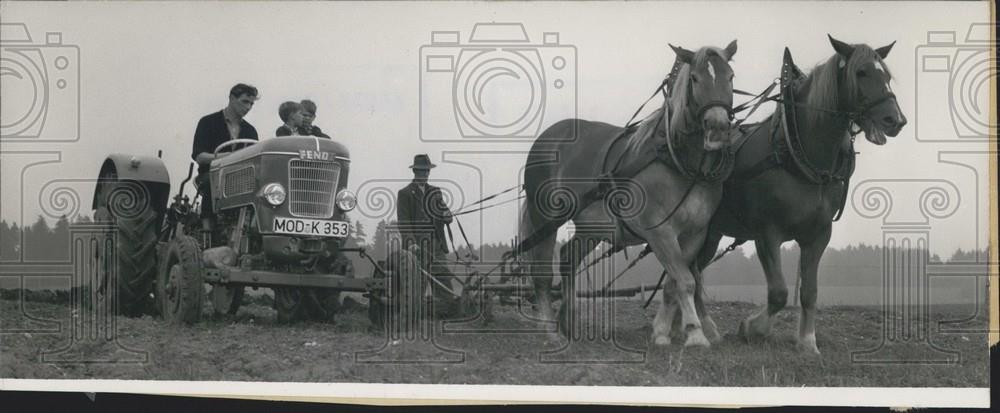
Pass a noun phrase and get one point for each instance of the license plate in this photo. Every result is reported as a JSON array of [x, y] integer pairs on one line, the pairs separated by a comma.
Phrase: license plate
[[311, 227]]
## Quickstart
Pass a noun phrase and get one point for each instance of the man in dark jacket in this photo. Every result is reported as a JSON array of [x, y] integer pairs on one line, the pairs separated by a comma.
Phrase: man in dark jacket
[[421, 215], [215, 129]]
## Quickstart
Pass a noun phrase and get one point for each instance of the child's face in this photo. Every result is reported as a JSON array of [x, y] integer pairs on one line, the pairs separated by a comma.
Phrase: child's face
[[307, 118], [297, 118]]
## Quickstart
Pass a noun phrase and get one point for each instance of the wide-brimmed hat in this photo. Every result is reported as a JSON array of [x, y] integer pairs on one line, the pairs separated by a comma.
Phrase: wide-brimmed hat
[[422, 161]]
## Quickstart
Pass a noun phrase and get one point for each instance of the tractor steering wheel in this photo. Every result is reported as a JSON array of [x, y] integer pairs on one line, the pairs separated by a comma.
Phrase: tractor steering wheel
[[234, 142]]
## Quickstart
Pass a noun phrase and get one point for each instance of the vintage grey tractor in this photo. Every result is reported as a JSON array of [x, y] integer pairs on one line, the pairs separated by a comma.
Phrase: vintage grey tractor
[[277, 221]]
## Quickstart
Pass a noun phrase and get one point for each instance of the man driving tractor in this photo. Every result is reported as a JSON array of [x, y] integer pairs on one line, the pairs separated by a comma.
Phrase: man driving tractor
[[215, 129]]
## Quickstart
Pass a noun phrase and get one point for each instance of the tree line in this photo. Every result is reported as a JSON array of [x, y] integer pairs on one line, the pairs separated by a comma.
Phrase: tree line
[[853, 265]]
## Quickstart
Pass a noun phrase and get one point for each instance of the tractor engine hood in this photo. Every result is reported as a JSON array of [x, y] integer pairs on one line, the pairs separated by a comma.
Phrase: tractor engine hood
[[304, 147]]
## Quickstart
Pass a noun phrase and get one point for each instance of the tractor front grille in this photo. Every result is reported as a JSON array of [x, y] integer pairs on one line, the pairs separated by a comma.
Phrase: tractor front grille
[[238, 182], [312, 186]]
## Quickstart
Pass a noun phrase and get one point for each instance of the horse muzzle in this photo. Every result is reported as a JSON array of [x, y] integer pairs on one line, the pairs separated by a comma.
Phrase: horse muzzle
[[884, 119], [892, 125], [717, 124]]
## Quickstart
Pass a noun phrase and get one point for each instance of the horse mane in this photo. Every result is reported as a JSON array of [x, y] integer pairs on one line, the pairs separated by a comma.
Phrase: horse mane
[[675, 104], [822, 81]]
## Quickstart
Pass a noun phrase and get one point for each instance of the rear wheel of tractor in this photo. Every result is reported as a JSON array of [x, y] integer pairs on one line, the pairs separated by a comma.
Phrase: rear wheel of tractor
[[289, 302], [377, 310], [326, 305], [226, 299], [179, 283], [134, 256], [325, 302], [302, 303], [377, 302]]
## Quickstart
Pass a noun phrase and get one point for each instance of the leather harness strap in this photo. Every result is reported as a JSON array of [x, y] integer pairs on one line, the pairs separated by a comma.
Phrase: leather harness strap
[[791, 146]]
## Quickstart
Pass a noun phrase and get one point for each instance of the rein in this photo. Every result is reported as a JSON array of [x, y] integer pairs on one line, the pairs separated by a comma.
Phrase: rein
[[793, 141], [791, 145], [662, 129], [719, 173]]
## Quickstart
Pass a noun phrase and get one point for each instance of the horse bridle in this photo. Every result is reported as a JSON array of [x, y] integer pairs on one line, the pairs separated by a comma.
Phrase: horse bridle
[[700, 114], [861, 113], [666, 88], [705, 107], [855, 116]]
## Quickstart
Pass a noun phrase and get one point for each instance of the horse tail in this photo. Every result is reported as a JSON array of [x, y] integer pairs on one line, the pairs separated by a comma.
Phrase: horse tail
[[536, 243], [527, 225]]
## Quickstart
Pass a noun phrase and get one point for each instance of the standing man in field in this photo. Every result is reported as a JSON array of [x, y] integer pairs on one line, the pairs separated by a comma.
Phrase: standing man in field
[[215, 129], [421, 215]]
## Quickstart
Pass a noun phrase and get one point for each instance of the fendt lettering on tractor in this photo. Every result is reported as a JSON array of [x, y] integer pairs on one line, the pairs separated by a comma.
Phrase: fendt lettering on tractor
[[278, 221]]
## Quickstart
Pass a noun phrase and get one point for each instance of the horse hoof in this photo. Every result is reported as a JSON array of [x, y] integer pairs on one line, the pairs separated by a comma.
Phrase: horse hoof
[[742, 331], [697, 340], [749, 333], [661, 340], [808, 346]]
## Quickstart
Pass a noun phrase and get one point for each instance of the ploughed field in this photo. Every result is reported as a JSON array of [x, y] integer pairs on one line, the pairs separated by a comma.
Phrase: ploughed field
[[251, 346]]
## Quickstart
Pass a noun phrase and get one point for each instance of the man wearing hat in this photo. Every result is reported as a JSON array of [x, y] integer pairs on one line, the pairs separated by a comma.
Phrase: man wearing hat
[[421, 215]]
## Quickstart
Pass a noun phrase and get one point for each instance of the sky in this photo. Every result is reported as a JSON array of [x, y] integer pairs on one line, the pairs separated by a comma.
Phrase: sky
[[136, 77]]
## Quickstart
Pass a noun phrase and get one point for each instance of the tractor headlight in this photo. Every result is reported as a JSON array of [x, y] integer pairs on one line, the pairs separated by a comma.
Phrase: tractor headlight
[[346, 200], [273, 193]]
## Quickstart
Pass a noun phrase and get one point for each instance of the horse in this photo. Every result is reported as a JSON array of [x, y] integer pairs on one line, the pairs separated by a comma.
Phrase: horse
[[798, 193], [670, 200]]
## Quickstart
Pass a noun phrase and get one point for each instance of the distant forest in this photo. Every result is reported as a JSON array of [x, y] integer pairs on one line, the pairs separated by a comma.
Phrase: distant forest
[[852, 266]]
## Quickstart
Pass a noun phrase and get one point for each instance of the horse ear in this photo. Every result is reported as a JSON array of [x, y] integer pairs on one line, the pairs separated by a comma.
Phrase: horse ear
[[731, 49], [884, 50], [842, 48], [685, 55]]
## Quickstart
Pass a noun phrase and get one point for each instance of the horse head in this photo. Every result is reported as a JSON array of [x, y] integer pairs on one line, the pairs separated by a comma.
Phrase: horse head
[[708, 96], [864, 89]]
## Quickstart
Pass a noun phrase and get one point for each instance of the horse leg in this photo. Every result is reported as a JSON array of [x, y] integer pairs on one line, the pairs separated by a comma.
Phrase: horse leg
[[812, 251], [540, 270], [705, 256], [664, 320], [708, 249], [707, 324], [769, 253], [668, 251], [571, 256]]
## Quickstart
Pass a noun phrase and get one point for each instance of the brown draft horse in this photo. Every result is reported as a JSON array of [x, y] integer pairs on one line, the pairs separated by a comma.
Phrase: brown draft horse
[[668, 209], [797, 196]]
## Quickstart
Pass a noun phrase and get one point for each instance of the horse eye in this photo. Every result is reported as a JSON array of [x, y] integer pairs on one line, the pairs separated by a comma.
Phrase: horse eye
[[861, 73], [694, 78]]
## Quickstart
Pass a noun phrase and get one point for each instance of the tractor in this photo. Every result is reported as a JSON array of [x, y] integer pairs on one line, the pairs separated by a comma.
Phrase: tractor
[[277, 221]]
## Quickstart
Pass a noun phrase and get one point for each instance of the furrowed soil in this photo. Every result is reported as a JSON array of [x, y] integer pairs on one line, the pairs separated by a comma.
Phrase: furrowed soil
[[36, 342]]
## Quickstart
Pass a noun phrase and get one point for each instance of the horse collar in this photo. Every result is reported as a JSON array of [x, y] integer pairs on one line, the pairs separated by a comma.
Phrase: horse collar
[[667, 154], [790, 74]]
